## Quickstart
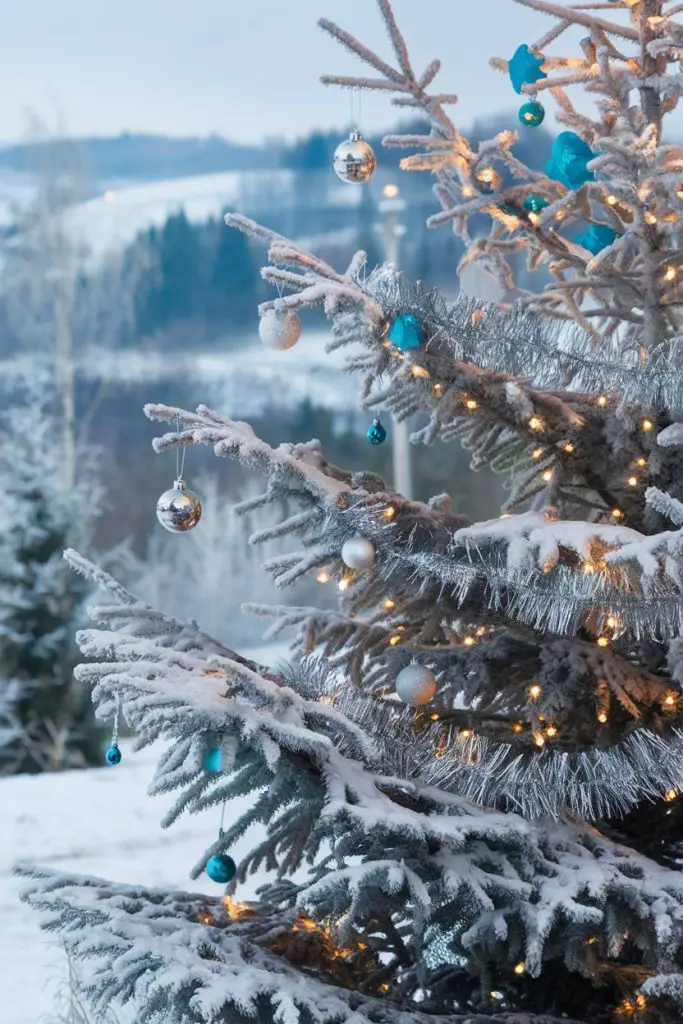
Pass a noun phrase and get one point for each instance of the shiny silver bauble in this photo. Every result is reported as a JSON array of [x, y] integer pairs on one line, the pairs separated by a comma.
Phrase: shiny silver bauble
[[179, 509], [415, 684], [279, 328], [358, 553], [354, 159]]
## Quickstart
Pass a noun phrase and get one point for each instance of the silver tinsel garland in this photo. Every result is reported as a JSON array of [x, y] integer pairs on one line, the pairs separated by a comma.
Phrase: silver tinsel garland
[[519, 342]]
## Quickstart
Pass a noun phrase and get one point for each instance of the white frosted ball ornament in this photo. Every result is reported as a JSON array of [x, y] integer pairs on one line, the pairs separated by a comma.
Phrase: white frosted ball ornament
[[279, 328], [179, 509], [358, 553], [415, 684], [354, 159]]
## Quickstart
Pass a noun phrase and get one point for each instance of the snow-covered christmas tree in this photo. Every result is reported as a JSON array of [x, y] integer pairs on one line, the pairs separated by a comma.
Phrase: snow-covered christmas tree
[[468, 785]]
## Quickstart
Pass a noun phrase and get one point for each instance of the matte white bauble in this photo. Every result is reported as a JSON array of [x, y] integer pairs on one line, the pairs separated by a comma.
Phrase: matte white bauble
[[279, 328], [358, 553], [415, 684]]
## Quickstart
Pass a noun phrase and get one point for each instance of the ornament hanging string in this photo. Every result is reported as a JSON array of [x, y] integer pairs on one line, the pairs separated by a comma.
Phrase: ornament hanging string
[[115, 727], [355, 105], [179, 457], [220, 827]]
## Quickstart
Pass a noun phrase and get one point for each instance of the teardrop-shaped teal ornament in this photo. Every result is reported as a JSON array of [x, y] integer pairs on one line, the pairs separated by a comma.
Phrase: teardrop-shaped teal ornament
[[212, 760], [404, 332]]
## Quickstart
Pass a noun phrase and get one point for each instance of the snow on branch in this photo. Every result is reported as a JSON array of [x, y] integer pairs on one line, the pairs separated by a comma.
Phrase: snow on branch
[[195, 959], [607, 275]]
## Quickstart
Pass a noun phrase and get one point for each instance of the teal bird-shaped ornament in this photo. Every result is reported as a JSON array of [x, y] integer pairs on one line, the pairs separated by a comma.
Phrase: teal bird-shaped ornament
[[597, 238], [524, 67], [569, 159]]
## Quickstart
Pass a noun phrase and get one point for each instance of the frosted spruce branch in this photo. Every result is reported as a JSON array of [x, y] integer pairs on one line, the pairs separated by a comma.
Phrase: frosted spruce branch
[[398, 847], [628, 282]]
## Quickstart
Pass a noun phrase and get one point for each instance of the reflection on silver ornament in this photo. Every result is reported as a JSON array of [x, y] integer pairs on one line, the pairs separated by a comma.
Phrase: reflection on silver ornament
[[179, 509], [279, 328], [415, 684], [358, 553], [354, 159]]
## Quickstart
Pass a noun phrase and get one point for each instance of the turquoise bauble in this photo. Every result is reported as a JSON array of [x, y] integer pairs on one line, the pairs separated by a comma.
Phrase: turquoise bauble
[[212, 760], [404, 332], [113, 755], [221, 868], [532, 113], [376, 433], [534, 204]]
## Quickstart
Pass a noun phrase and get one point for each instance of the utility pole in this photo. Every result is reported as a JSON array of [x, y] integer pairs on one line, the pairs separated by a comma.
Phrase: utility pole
[[391, 206]]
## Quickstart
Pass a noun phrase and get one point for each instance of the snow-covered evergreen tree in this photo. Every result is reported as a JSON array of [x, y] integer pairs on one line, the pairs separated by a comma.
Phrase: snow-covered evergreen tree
[[507, 851], [48, 720]]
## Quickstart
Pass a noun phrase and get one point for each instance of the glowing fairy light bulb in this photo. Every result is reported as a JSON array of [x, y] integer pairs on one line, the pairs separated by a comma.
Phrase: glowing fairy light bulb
[[389, 512], [647, 424], [632, 481], [518, 727], [616, 513], [611, 200], [535, 423], [536, 453], [641, 461], [551, 731], [344, 584], [602, 717], [669, 700], [650, 218], [471, 404], [465, 734], [520, 968], [547, 475], [602, 401], [670, 795], [568, 447], [602, 641], [535, 691], [389, 604], [588, 568], [323, 576], [469, 641], [671, 273], [393, 640]]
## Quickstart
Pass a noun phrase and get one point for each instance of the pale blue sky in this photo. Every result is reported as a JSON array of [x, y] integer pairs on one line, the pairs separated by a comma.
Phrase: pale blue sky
[[241, 68]]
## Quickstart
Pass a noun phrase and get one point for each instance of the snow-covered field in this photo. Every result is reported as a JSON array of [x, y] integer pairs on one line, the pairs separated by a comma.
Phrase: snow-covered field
[[98, 822]]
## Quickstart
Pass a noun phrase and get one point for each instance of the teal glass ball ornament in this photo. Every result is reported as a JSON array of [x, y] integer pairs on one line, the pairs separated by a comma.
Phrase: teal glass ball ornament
[[113, 755], [376, 433], [221, 868], [532, 113], [404, 332], [534, 203]]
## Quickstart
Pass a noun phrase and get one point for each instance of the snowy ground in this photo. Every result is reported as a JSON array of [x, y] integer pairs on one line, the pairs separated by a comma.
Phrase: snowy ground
[[98, 822]]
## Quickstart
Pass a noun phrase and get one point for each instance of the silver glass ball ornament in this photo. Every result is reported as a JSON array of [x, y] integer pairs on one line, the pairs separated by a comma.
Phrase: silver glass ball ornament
[[358, 553], [179, 509], [354, 159], [415, 684], [279, 328]]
